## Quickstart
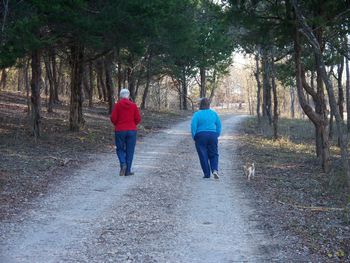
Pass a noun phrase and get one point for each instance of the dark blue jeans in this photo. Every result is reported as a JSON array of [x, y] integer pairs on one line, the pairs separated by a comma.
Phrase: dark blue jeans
[[125, 142], [207, 149]]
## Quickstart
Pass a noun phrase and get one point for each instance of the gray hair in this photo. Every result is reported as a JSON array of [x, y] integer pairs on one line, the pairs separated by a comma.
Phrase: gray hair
[[124, 93]]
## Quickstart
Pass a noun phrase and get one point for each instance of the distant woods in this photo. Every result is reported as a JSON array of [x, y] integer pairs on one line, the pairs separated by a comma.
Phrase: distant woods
[[304, 47], [86, 51]]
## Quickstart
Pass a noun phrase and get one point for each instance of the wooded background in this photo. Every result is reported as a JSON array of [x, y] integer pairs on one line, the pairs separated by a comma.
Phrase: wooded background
[[169, 53]]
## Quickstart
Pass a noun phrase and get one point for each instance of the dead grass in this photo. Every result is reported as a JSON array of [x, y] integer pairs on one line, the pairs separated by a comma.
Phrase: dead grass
[[290, 179]]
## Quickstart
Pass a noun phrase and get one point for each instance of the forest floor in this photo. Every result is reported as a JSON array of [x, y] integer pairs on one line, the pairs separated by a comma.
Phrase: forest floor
[[293, 194], [293, 200], [28, 167]]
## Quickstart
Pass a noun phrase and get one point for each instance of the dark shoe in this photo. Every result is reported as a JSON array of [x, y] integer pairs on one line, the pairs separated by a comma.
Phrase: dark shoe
[[206, 177], [129, 173], [122, 170], [216, 175]]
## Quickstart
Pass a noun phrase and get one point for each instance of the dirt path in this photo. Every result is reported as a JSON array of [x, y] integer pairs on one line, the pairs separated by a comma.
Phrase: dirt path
[[165, 213]]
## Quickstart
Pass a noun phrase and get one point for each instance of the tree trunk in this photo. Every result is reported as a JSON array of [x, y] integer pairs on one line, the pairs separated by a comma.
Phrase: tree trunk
[[317, 120], [3, 80], [20, 78], [60, 79], [109, 83], [91, 84], [292, 101], [257, 77], [148, 80], [340, 89], [50, 77], [52, 55], [214, 86], [266, 86], [184, 90], [35, 93], [315, 41], [202, 92], [347, 88], [27, 84], [275, 100], [77, 71], [139, 78], [99, 71], [131, 82], [120, 73]]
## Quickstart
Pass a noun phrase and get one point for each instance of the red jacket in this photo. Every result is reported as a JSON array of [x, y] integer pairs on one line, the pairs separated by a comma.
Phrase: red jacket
[[125, 115]]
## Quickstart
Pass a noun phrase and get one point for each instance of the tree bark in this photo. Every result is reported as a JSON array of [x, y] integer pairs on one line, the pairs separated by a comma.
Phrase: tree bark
[[292, 101], [202, 92], [52, 54], [120, 73], [109, 83], [317, 119], [347, 88], [321, 67], [148, 80], [77, 70], [3, 80], [91, 84], [340, 89], [50, 77], [27, 85], [100, 71], [35, 93], [266, 111], [258, 82], [275, 100], [184, 90]]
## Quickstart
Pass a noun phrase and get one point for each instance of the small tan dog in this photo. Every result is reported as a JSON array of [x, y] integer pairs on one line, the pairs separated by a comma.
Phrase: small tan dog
[[249, 170]]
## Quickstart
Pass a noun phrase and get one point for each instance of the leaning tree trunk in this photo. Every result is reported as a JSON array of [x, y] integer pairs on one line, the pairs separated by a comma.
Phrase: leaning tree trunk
[[202, 92], [317, 120], [77, 70], [35, 96], [315, 42], [109, 83]]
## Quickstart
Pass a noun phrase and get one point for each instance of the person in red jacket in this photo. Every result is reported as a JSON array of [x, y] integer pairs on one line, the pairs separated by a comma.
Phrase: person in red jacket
[[125, 117]]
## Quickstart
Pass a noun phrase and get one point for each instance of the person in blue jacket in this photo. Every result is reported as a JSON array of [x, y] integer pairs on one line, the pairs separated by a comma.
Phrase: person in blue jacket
[[205, 129]]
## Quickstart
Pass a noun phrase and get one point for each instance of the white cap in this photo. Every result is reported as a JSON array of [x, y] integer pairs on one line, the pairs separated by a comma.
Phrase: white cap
[[124, 93]]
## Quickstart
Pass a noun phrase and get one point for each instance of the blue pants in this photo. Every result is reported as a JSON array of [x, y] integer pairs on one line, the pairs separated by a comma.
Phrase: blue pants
[[125, 142], [207, 149]]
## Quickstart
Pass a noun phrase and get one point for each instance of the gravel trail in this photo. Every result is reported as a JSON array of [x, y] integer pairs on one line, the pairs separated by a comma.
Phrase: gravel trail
[[165, 213]]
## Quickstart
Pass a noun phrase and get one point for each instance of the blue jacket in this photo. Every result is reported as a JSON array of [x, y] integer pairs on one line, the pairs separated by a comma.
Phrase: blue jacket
[[205, 120]]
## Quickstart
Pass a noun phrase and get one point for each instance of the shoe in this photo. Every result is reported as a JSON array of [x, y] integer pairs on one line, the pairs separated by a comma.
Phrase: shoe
[[129, 173], [122, 170], [206, 177], [216, 174]]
